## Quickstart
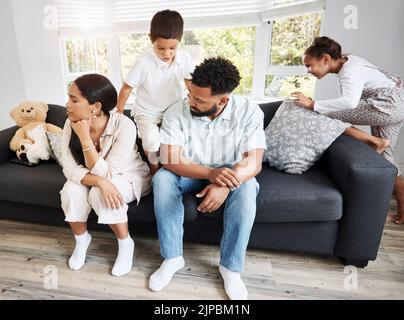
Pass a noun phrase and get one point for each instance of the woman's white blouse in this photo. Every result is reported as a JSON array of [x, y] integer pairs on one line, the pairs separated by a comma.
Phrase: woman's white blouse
[[118, 156]]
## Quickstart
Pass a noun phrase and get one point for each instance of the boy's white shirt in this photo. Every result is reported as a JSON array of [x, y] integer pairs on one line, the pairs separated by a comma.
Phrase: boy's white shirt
[[159, 84]]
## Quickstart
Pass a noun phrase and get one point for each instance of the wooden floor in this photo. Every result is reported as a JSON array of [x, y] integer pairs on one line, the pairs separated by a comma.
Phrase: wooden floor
[[33, 261]]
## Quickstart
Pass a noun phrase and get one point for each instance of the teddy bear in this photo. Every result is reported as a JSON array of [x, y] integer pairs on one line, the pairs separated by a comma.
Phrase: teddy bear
[[30, 142]]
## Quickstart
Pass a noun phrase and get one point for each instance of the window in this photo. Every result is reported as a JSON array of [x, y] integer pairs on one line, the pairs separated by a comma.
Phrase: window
[[85, 55], [131, 45], [235, 44], [268, 55], [286, 72]]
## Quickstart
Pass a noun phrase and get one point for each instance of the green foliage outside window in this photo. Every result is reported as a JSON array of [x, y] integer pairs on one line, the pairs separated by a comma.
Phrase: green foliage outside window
[[290, 37]]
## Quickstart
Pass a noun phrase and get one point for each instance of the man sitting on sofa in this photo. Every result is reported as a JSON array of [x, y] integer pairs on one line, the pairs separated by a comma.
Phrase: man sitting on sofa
[[212, 144]]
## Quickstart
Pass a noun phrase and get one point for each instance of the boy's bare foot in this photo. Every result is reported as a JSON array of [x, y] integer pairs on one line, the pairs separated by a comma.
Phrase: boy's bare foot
[[380, 144]]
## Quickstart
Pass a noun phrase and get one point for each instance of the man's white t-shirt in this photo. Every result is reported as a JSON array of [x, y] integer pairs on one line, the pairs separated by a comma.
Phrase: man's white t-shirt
[[159, 84], [354, 77]]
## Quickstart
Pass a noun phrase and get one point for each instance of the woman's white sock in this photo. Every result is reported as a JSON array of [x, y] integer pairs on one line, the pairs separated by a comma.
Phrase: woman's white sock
[[124, 261], [78, 257], [162, 277], [233, 285]]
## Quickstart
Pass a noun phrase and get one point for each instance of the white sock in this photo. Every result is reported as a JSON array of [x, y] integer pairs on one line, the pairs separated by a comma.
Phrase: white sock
[[233, 285], [124, 261], [161, 278], [78, 257]]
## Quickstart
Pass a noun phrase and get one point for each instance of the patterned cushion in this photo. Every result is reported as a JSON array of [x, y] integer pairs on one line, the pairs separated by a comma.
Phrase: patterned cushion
[[297, 137], [55, 141]]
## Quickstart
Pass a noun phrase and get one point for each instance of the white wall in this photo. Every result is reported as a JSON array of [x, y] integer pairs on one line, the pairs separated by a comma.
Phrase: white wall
[[39, 52], [12, 88], [30, 61], [377, 39], [392, 57]]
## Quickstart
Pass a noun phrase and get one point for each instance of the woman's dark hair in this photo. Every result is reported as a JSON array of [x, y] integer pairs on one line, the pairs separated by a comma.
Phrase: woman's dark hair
[[218, 74], [94, 88], [322, 46], [167, 24]]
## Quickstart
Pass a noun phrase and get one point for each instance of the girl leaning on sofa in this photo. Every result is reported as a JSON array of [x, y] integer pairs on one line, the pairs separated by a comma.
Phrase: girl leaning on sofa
[[370, 96], [103, 168]]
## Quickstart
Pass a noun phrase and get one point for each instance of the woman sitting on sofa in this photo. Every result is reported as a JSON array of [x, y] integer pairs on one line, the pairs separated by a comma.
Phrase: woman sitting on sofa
[[102, 165]]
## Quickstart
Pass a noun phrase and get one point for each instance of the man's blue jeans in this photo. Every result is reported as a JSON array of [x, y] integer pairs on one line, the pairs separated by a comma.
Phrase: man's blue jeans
[[239, 214]]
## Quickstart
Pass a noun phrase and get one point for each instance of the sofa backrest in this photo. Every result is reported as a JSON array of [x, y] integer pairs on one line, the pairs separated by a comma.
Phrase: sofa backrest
[[269, 111], [57, 114]]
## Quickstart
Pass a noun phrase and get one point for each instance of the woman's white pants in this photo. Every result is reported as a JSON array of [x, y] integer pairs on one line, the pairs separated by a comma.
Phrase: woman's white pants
[[77, 201]]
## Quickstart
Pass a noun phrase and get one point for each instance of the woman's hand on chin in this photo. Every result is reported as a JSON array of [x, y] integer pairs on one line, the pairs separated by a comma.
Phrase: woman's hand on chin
[[303, 101], [82, 129]]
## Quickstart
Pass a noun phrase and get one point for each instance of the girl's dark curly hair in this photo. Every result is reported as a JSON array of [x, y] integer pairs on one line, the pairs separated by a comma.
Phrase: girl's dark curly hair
[[322, 46], [218, 74]]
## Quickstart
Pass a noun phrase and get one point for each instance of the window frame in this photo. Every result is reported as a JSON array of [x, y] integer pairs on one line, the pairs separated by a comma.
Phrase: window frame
[[131, 99], [70, 76], [113, 57], [261, 58]]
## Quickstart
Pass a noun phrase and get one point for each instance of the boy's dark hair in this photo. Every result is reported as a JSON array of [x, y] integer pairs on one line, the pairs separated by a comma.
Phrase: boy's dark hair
[[167, 24], [322, 46], [218, 74]]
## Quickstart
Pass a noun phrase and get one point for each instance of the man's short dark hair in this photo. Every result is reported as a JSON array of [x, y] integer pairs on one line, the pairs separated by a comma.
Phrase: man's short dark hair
[[167, 24], [218, 74]]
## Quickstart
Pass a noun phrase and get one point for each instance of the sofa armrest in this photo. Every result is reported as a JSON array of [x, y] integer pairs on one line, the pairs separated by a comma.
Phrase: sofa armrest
[[366, 181], [5, 137]]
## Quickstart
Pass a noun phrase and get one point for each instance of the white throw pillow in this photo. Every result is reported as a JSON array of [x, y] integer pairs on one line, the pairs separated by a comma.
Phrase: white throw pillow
[[297, 137], [55, 141]]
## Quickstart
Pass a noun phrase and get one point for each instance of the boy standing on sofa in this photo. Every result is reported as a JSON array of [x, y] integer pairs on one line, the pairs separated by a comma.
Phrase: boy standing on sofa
[[158, 76]]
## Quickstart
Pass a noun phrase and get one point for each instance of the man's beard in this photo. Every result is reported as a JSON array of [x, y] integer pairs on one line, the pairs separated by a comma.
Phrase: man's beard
[[208, 113]]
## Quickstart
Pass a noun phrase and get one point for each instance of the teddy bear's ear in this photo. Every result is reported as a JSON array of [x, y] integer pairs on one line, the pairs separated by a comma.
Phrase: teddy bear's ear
[[12, 112], [45, 106]]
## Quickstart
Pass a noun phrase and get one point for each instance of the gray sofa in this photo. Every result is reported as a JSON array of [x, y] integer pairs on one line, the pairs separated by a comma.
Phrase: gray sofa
[[338, 208]]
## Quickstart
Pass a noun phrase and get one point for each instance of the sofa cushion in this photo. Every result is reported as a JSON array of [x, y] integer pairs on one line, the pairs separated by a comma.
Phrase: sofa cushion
[[41, 185], [290, 198], [38, 185], [311, 196]]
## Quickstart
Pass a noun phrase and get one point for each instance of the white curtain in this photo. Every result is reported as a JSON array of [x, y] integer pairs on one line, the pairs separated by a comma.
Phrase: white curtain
[[105, 16]]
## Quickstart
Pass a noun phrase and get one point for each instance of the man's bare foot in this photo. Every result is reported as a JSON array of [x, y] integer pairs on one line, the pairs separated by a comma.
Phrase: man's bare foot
[[380, 144]]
